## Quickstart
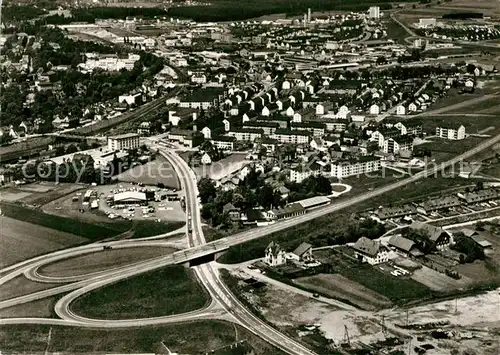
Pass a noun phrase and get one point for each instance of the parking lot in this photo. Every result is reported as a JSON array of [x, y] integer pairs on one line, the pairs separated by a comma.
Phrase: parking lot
[[167, 206]]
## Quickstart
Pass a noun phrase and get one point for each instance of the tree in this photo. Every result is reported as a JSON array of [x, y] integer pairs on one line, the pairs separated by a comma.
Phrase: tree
[[207, 190]]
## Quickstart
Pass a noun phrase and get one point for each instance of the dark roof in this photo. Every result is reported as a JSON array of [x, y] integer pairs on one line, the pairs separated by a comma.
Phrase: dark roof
[[367, 246], [401, 243], [302, 249], [433, 231]]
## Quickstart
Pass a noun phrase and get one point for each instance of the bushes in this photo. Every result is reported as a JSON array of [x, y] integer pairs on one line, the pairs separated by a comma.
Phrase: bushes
[[471, 251]]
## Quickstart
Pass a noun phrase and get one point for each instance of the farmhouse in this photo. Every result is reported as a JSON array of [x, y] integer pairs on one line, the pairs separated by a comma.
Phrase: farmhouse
[[437, 235], [370, 251], [405, 246]]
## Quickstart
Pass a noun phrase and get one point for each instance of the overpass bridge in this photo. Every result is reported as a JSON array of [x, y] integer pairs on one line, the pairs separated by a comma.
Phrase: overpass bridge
[[203, 253]]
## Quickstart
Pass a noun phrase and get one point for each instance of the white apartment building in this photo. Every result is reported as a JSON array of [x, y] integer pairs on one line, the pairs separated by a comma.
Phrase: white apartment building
[[346, 168], [245, 134], [124, 142], [109, 62], [374, 12], [451, 133], [287, 136], [397, 144]]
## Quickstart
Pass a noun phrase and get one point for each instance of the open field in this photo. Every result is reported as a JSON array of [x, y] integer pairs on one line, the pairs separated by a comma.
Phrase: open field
[[43, 308], [396, 32], [92, 231], [444, 149], [37, 193], [398, 290], [20, 286], [152, 173], [185, 338], [337, 286], [170, 290], [437, 281], [22, 240], [104, 260]]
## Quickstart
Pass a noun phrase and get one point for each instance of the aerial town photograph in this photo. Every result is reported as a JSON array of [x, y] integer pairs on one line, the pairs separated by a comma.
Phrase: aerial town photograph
[[250, 177]]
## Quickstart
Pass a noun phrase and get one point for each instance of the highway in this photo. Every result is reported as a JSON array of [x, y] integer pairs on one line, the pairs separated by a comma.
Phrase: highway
[[210, 276]]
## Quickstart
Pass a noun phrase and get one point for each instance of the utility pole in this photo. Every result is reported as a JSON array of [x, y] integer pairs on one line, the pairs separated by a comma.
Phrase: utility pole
[[384, 329], [407, 317], [409, 347], [346, 336], [456, 305]]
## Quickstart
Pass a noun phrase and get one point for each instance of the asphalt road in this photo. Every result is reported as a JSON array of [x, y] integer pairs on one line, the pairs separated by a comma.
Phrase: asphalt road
[[221, 295], [210, 277]]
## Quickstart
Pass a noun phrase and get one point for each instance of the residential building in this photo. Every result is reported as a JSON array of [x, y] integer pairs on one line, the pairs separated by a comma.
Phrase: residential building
[[405, 246], [370, 251], [374, 12], [351, 167], [223, 142], [290, 136], [245, 134], [124, 142], [274, 255], [437, 204], [451, 133], [398, 144], [479, 196], [438, 236]]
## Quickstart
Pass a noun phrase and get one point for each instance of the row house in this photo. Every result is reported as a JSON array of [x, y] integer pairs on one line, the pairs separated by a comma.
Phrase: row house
[[437, 204], [479, 196]]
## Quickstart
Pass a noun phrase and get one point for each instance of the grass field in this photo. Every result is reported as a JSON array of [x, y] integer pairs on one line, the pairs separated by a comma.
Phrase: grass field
[[22, 240], [185, 338], [144, 229], [152, 173], [170, 290], [398, 290], [104, 260], [20, 286], [43, 308], [94, 231], [337, 286], [396, 32]]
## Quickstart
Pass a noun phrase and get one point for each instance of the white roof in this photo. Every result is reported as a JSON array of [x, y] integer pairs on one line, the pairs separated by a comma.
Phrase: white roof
[[130, 195], [313, 201]]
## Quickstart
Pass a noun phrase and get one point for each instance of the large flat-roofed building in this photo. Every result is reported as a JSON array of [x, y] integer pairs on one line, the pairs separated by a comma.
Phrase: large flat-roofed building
[[129, 197], [124, 142]]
